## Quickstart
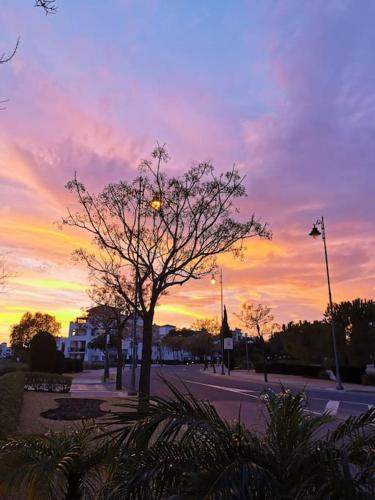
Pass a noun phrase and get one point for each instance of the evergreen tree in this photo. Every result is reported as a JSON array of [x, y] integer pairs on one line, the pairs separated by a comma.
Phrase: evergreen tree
[[227, 333]]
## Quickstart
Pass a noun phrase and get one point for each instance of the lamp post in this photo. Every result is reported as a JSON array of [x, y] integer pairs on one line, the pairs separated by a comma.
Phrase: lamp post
[[315, 233], [213, 281], [133, 391], [155, 204]]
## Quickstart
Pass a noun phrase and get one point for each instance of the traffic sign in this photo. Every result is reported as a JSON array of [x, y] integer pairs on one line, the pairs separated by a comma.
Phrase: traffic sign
[[228, 343]]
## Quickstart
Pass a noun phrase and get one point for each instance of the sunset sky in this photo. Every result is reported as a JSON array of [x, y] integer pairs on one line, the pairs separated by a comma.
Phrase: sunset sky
[[283, 89]]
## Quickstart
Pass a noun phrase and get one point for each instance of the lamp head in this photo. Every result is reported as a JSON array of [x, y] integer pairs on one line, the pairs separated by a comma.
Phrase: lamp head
[[156, 203], [213, 280], [315, 233]]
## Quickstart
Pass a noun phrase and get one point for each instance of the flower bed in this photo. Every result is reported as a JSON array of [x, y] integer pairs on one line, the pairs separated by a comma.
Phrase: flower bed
[[47, 382]]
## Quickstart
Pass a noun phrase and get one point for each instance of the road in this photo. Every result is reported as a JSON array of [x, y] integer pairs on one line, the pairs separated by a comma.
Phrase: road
[[230, 395]]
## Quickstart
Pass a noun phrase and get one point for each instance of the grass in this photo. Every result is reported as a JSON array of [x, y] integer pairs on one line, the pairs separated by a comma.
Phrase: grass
[[11, 399]]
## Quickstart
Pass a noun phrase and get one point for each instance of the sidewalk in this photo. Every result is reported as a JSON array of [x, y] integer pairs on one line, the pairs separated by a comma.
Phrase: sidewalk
[[289, 380], [89, 383]]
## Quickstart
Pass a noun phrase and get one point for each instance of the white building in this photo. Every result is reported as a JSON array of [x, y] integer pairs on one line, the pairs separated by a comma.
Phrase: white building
[[84, 329], [5, 351]]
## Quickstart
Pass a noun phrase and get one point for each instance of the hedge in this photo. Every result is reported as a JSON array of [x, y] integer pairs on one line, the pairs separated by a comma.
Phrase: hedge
[[12, 366], [11, 399], [71, 365], [290, 369], [47, 382], [351, 374], [368, 379]]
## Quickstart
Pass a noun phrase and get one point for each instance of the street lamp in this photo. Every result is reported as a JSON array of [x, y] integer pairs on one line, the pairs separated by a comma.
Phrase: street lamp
[[156, 204], [213, 282], [315, 233]]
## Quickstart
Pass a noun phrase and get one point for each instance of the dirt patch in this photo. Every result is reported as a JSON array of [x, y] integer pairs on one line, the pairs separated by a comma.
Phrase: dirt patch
[[35, 403], [75, 409]]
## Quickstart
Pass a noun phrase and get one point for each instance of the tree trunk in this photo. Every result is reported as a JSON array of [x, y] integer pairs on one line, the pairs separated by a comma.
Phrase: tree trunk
[[106, 363], [264, 362], [265, 370], [145, 376], [119, 363]]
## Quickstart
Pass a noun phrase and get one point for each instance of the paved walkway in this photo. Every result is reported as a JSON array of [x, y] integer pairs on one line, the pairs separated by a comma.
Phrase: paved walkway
[[291, 380], [88, 384]]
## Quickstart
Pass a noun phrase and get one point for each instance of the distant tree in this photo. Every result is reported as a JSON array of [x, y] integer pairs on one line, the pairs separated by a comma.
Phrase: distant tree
[[209, 325], [200, 344], [30, 324], [307, 341], [163, 230], [355, 330], [258, 318], [177, 340], [227, 333], [112, 314], [5, 274], [104, 342], [43, 351], [49, 7]]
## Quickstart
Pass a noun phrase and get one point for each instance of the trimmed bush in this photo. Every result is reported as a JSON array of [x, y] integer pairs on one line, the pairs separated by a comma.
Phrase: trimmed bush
[[47, 382], [11, 399], [43, 353]]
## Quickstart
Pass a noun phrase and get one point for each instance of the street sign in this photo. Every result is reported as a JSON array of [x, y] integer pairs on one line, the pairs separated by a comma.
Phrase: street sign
[[228, 343]]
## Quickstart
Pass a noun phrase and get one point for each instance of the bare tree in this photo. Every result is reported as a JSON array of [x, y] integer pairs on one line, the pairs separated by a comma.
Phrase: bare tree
[[5, 274], [4, 58], [111, 313], [163, 231], [49, 6], [258, 318]]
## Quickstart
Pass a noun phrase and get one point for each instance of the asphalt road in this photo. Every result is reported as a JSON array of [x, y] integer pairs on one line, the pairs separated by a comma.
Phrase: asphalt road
[[232, 397], [229, 394]]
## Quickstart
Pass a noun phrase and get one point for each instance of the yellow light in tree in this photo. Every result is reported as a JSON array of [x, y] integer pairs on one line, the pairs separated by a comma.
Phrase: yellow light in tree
[[213, 281]]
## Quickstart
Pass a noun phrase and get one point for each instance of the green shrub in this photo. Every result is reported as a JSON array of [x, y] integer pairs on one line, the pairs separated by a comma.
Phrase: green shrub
[[368, 379], [47, 382], [11, 398], [11, 366]]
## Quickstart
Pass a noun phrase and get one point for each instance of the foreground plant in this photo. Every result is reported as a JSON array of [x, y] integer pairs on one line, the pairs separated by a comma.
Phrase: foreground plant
[[180, 448], [58, 465]]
